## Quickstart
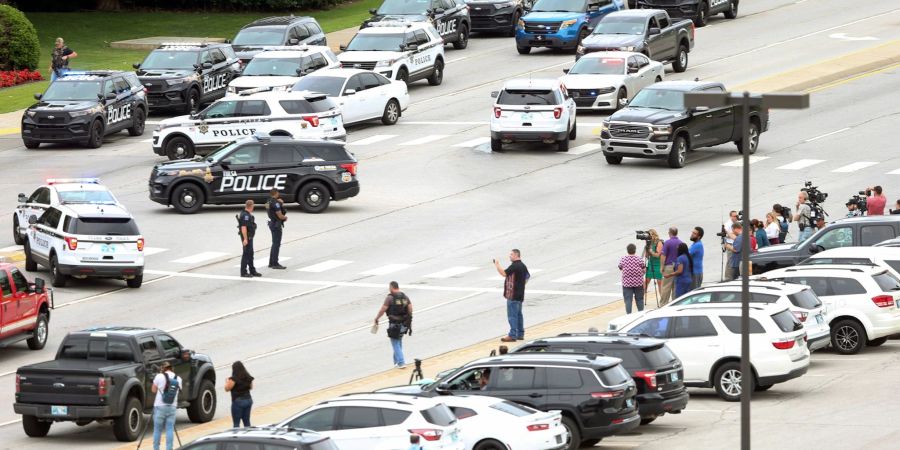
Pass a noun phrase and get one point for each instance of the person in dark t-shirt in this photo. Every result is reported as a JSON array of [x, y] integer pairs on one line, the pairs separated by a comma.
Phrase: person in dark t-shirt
[[516, 275], [59, 59]]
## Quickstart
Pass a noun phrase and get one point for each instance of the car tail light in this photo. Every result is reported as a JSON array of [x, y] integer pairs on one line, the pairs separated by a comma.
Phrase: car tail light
[[883, 301], [101, 387], [350, 168], [617, 421], [539, 427], [649, 377], [692, 31], [312, 120], [140, 244], [784, 344], [497, 111], [72, 243], [18, 384], [557, 113], [429, 434], [607, 394], [801, 316]]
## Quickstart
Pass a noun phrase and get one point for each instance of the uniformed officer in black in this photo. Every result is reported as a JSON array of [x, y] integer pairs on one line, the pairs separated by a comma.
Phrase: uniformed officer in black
[[277, 218], [247, 224], [399, 311]]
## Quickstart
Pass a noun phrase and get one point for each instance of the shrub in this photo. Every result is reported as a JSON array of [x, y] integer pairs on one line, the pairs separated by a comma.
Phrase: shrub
[[19, 48]]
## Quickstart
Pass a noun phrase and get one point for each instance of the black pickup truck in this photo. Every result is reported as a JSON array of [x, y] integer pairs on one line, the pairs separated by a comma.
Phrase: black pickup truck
[[106, 374], [656, 124], [647, 31], [697, 10]]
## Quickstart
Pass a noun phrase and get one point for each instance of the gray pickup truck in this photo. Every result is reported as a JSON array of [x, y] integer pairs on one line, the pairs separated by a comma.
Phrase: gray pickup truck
[[106, 373], [647, 31]]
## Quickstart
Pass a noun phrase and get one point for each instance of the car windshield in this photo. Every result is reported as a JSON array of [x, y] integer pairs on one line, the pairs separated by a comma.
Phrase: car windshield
[[278, 67], [621, 25], [72, 90], [330, 86], [887, 282], [560, 6], [170, 59], [259, 36], [404, 7], [521, 97], [598, 66], [376, 42], [86, 197], [659, 99]]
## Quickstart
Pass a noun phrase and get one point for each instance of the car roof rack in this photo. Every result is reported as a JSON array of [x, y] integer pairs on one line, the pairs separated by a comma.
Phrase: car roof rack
[[286, 48], [823, 267], [605, 334], [276, 20], [183, 44]]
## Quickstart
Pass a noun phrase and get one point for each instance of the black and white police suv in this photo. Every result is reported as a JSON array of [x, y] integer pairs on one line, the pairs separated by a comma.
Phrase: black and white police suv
[[310, 172], [406, 51], [84, 107], [86, 241], [307, 115], [281, 67], [274, 31], [185, 75], [449, 17]]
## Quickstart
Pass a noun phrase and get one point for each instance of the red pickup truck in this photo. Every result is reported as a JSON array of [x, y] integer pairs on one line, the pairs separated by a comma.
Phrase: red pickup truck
[[24, 309]]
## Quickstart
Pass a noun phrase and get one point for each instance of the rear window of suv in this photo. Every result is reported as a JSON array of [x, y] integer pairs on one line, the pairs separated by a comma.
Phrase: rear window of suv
[[614, 375], [887, 282], [786, 321], [805, 299], [439, 415], [527, 97], [103, 226], [331, 154], [659, 356], [513, 408]]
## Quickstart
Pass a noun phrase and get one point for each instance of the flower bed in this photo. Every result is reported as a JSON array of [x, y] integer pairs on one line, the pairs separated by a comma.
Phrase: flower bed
[[14, 77]]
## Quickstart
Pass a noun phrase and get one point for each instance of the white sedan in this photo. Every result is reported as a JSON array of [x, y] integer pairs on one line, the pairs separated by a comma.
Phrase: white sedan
[[362, 94], [490, 423], [609, 80]]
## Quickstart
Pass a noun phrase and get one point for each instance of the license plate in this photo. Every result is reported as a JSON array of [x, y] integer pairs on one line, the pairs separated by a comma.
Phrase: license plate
[[59, 410], [674, 376], [108, 248], [819, 319], [525, 117]]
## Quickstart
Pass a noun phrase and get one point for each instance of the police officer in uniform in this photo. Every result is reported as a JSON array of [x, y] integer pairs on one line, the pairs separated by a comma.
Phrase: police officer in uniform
[[399, 311], [247, 225], [277, 218]]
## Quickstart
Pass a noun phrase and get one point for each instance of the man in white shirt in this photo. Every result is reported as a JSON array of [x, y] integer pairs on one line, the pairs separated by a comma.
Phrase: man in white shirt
[[166, 386]]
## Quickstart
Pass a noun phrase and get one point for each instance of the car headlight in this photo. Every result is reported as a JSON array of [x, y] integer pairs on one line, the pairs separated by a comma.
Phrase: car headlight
[[604, 126], [521, 24], [231, 90], [504, 5], [661, 130], [85, 112], [627, 49], [567, 24], [188, 79], [385, 63], [286, 87], [167, 173], [579, 49], [30, 113]]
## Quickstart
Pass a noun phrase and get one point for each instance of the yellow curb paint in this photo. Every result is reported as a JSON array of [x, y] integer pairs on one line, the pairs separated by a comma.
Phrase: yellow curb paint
[[15, 130]]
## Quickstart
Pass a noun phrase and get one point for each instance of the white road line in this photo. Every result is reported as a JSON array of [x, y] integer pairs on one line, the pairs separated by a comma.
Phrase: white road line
[[199, 257], [324, 265], [11, 422], [458, 59], [264, 261], [840, 359], [425, 139], [801, 164], [716, 411], [442, 122], [373, 139], [385, 270], [583, 148], [854, 167], [740, 161], [579, 276], [827, 134], [474, 142], [153, 250], [145, 141], [451, 272], [894, 172], [152, 122], [11, 248]]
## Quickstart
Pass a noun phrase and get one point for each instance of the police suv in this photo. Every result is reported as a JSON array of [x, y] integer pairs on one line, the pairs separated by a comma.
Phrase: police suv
[[275, 31], [309, 172], [184, 75], [84, 107], [281, 67], [449, 17], [86, 240], [406, 51], [304, 114]]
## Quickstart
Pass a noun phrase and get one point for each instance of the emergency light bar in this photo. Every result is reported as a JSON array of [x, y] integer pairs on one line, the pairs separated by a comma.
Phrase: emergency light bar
[[183, 44], [52, 181], [296, 48], [392, 23]]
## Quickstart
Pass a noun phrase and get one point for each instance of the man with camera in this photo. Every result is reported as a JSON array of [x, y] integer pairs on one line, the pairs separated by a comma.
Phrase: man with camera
[[734, 263], [877, 202], [669, 255], [853, 208], [804, 216]]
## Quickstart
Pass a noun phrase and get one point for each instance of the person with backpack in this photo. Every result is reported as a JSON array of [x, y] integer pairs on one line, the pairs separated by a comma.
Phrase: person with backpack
[[166, 386], [399, 311], [240, 383]]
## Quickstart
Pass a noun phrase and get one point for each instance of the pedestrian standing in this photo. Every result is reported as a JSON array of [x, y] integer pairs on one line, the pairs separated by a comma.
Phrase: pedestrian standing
[[784, 222], [734, 263], [897, 206], [277, 218], [516, 275], [247, 226], [728, 229], [759, 232], [652, 251], [875, 203], [804, 217], [399, 311], [697, 252], [166, 386], [682, 275], [633, 270], [59, 59], [240, 383], [773, 228], [669, 255]]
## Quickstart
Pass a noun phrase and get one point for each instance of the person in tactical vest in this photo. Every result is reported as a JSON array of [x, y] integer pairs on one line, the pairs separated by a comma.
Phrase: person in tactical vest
[[399, 312], [59, 59], [247, 227], [277, 218]]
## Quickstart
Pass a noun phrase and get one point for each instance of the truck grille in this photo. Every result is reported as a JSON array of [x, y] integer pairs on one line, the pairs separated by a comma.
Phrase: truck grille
[[542, 27], [481, 10], [358, 65], [629, 131]]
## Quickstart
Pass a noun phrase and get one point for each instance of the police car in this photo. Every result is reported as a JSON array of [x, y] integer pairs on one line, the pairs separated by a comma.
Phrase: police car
[[406, 51], [309, 172], [184, 75], [449, 17], [86, 241], [58, 191], [308, 115], [275, 31], [281, 67], [84, 107]]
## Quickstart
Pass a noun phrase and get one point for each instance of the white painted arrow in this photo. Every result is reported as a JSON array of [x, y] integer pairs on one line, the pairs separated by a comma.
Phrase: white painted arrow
[[844, 37]]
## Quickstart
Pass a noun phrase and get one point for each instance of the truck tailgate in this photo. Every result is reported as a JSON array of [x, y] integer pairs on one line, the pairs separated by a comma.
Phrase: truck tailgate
[[62, 382]]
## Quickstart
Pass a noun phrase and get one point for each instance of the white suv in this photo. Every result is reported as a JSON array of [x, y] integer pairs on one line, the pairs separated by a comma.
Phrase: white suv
[[86, 241], [280, 67], [58, 191], [381, 421], [707, 340], [533, 110], [301, 115], [884, 256], [406, 51], [863, 301]]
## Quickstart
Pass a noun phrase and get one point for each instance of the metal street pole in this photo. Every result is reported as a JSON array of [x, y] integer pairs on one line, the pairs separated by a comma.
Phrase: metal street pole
[[746, 373]]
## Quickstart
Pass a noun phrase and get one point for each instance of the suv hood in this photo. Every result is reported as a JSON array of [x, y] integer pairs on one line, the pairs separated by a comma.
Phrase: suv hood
[[611, 40], [165, 73], [367, 56], [646, 115], [254, 81], [547, 16], [399, 17], [62, 105], [183, 164], [591, 81]]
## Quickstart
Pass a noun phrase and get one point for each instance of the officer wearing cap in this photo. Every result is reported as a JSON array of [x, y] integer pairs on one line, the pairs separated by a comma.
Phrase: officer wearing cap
[[247, 226], [277, 218]]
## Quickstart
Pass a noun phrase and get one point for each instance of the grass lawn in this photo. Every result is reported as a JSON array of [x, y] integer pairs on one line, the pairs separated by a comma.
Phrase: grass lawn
[[89, 34]]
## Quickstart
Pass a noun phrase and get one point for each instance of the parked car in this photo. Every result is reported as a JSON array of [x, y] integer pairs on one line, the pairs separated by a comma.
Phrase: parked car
[[882, 256], [609, 80], [405, 51], [697, 10], [54, 192], [491, 16], [105, 374], [707, 340], [263, 438], [560, 24], [863, 301], [24, 309], [533, 110], [279, 68], [361, 95], [490, 423], [449, 17], [893, 242], [276, 31], [650, 32]]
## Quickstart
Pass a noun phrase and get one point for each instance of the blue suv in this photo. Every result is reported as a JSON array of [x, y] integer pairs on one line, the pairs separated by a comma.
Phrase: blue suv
[[561, 23]]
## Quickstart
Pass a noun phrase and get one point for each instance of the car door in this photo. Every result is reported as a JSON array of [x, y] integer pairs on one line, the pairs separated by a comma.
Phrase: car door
[[353, 100], [836, 237], [34, 206], [153, 359], [171, 352], [239, 180], [111, 106], [376, 96], [362, 428], [870, 235], [218, 124], [25, 300], [695, 341], [597, 9], [525, 385], [45, 233], [707, 126], [126, 101], [647, 75], [216, 78], [316, 36], [8, 309], [563, 385], [298, 34], [655, 42]]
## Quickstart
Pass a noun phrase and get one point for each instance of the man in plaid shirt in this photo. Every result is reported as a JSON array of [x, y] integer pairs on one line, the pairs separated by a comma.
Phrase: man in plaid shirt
[[632, 267]]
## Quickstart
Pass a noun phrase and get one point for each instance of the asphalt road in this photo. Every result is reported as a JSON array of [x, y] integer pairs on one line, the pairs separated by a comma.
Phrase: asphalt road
[[436, 206]]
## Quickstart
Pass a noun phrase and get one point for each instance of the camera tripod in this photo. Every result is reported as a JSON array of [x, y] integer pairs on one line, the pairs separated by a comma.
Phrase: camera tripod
[[147, 425], [416, 374]]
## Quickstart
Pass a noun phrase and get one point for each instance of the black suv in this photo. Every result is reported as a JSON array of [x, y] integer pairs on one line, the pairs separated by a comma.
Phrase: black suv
[[275, 31], [185, 75], [449, 17], [595, 393], [84, 107], [268, 438], [656, 371], [497, 16], [310, 172]]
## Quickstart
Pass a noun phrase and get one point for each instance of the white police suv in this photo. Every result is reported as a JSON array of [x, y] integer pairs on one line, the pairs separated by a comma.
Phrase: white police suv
[[304, 114], [537, 110], [280, 67], [86, 241], [406, 51]]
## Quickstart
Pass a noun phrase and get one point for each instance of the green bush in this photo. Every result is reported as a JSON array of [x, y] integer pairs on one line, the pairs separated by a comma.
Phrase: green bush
[[19, 48]]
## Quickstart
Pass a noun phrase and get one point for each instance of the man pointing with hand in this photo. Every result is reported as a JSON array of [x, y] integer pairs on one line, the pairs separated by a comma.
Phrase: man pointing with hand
[[516, 275]]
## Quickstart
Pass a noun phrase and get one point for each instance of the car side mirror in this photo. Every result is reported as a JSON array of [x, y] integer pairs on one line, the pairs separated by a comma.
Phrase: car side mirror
[[227, 41], [136, 65], [443, 387], [373, 11], [32, 220], [528, 9], [699, 109], [815, 248], [439, 11], [38, 95], [653, 31], [495, 94], [632, 69], [22, 198], [349, 91], [110, 96], [39, 285], [207, 65], [409, 47], [593, 8], [566, 70], [225, 164], [342, 47], [293, 41]]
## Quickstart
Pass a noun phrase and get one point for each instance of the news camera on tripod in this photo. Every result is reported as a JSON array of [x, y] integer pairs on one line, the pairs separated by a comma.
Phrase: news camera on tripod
[[809, 209]]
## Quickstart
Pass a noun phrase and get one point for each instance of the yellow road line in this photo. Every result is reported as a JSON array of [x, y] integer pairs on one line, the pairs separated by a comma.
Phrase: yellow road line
[[15, 130], [853, 78]]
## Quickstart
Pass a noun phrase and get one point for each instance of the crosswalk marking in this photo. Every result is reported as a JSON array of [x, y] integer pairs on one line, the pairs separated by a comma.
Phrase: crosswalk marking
[[801, 164], [474, 142], [579, 276], [425, 139], [855, 166], [583, 148], [264, 261], [373, 139], [740, 161], [153, 250], [199, 257], [12, 248], [324, 265], [385, 270], [451, 272], [894, 172]]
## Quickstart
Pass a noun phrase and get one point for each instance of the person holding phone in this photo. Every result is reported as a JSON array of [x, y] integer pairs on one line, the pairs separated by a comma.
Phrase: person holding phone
[[515, 276]]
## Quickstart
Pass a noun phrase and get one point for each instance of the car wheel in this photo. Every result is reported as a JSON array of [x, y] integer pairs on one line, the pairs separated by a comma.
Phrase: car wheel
[[30, 263], [489, 444], [496, 145], [17, 236], [203, 408], [847, 337], [57, 278], [732, 12], [574, 441], [403, 75], [135, 282], [590, 442], [187, 198], [34, 427], [192, 102], [515, 23], [876, 342], [647, 421], [391, 112], [681, 59], [763, 387], [621, 98], [137, 123], [437, 76], [678, 154], [581, 35], [753, 134], [563, 145], [658, 79], [728, 382], [95, 135], [613, 160], [702, 12], [179, 147], [39, 337], [128, 426], [523, 50], [573, 133], [462, 38], [314, 197], [31, 144]]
